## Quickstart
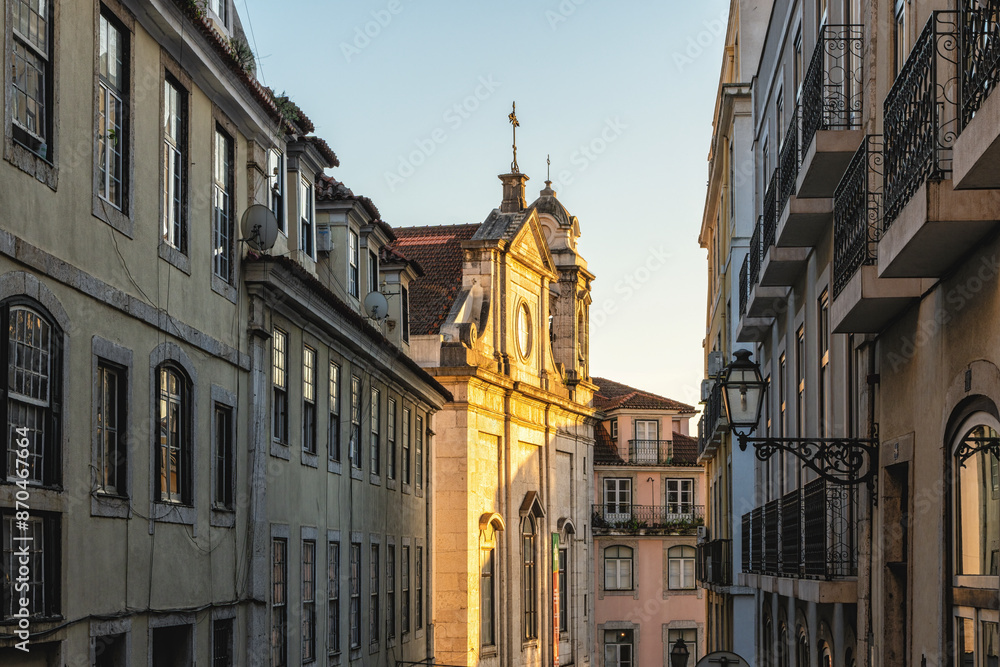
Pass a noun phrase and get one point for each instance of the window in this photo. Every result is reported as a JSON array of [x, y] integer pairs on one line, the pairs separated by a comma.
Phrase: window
[[406, 446], [219, 8], [618, 568], [800, 381], [617, 499], [173, 460], [376, 420], [419, 454], [418, 594], [355, 422], [390, 592], [174, 165], [112, 90], [797, 63], [333, 434], [690, 637], [279, 602], [564, 594], [404, 574], [279, 380], [680, 567], [333, 597], [32, 393], [223, 452], [680, 496], [373, 590], [110, 651], [308, 600], [112, 441], [487, 598], [614, 430], [352, 268], [779, 116], [528, 584], [31, 76], [308, 400], [276, 183], [37, 540], [306, 217], [391, 438], [645, 448], [222, 642], [618, 648], [222, 207], [405, 307], [782, 396], [355, 610], [372, 272], [524, 330], [899, 35], [977, 506], [824, 363]]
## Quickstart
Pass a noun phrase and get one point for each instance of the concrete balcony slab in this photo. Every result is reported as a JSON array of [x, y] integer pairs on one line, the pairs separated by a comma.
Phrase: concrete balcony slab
[[803, 222], [766, 301], [783, 266], [935, 229], [825, 160], [868, 303], [976, 155], [753, 329]]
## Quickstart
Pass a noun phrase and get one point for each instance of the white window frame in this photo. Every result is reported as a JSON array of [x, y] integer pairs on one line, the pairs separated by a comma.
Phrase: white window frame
[[680, 567], [614, 570]]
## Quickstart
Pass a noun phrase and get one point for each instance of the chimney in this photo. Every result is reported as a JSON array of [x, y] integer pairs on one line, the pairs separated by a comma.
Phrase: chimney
[[513, 193]]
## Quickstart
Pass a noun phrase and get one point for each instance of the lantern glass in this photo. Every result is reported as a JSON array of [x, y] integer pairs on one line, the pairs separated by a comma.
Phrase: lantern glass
[[679, 653], [743, 392]]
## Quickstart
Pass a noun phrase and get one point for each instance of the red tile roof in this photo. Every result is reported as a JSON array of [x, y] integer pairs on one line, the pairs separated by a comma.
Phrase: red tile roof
[[324, 149], [613, 395], [685, 449], [605, 449], [438, 250]]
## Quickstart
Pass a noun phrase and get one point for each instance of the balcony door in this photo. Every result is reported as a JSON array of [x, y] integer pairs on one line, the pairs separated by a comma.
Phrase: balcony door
[[645, 448], [680, 499], [617, 499]]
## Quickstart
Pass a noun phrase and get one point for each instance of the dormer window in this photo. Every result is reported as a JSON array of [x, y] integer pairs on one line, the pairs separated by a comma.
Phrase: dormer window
[[276, 185], [220, 9], [372, 272], [306, 217], [405, 306], [352, 267]]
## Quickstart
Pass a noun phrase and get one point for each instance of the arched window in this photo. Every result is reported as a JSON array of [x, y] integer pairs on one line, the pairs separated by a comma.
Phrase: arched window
[[768, 641], [801, 646], [173, 456], [680, 567], [825, 655], [783, 651], [618, 569], [32, 395], [529, 584], [977, 503], [489, 560]]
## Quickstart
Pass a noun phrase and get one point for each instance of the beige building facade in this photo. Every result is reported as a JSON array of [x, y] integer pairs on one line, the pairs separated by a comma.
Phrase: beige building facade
[[501, 320]]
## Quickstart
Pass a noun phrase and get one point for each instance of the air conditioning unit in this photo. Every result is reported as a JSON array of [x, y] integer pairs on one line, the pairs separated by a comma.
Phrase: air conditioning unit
[[324, 243], [706, 390], [716, 362], [703, 533]]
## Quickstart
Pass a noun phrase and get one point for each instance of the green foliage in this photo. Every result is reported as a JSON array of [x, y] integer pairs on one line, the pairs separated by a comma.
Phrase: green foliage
[[241, 53]]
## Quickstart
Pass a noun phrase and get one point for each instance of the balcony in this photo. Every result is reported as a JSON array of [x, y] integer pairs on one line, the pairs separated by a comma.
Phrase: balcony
[[976, 156], [628, 519], [801, 221], [779, 266], [647, 453], [715, 563], [863, 302], [928, 226], [713, 423], [810, 533], [832, 105]]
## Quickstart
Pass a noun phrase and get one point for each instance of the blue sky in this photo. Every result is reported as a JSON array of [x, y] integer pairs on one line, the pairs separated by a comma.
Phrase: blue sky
[[413, 96]]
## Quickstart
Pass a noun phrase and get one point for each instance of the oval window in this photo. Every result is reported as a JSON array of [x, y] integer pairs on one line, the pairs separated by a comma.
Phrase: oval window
[[523, 330]]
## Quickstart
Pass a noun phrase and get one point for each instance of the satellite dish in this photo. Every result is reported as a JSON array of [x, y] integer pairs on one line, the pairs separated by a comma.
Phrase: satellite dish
[[376, 305], [259, 227]]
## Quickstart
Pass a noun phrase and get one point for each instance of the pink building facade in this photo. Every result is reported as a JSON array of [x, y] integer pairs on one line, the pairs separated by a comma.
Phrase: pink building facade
[[649, 506]]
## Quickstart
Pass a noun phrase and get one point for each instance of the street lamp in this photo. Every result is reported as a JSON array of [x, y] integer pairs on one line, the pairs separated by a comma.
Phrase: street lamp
[[679, 653], [845, 461]]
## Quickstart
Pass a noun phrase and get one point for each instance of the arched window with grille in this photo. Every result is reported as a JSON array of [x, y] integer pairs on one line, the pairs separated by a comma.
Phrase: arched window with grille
[[173, 455]]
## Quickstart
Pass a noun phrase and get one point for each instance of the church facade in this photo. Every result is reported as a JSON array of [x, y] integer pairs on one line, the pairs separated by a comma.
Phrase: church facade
[[500, 319]]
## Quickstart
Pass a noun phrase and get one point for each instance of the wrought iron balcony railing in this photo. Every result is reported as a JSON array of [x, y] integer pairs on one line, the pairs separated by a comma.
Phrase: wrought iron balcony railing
[[921, 114], [769, 215], [713, 412], [788, 162], [756, 254], [682, 518], [744, 284], [810, 532], [715, 562], [980, 54], [857, 213], [832, 90], [650, 452]]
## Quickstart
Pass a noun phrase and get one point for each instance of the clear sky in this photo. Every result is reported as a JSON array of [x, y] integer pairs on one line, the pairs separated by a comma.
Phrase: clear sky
[[413, 96]]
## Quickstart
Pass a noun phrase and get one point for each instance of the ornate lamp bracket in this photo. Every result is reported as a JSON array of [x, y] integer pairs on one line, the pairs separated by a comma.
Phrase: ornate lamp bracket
[[972, 446], [843, 461]]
